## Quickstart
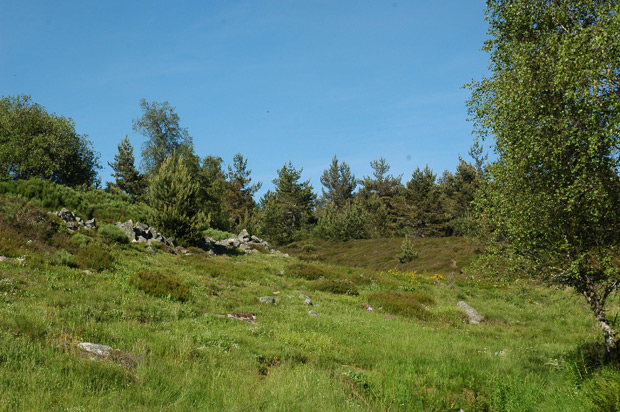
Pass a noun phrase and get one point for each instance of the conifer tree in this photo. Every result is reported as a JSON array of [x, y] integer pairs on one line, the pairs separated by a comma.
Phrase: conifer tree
[[289, 209], [339, 183], [240, 191], [174, 197], [127, 177], [213, 192]]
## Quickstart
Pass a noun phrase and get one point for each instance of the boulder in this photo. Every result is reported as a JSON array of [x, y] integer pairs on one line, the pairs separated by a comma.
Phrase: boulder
[[474, 316], [244, 236], [91, 224]]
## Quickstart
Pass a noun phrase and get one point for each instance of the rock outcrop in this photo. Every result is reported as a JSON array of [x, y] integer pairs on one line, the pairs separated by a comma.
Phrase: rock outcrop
[[243, 243], [141, 232], [74, 222]]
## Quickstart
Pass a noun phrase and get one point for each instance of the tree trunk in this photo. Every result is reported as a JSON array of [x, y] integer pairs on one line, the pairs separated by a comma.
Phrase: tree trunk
[[611, 342]]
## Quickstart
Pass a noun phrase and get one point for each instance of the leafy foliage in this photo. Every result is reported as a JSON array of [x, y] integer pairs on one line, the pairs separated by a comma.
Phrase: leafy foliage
[[35, 143], [552, 105], [161, 126]]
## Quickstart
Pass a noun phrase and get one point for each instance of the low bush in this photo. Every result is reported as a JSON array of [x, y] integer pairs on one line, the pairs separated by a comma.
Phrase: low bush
[[407, 304], [306, 271], [337, 286], [94, 257], [160, 285], [112, 234]]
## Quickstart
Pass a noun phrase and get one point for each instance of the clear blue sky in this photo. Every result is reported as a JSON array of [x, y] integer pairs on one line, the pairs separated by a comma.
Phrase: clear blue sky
[[277, 80]]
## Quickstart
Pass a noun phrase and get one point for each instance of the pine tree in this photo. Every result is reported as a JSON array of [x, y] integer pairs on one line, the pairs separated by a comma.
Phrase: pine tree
[[339, 182], [289, 209], [240, 191], [127, 177], [213, 192], [174, 197]]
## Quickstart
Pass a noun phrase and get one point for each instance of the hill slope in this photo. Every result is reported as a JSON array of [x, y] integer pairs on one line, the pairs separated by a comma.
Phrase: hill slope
[[183, 336]]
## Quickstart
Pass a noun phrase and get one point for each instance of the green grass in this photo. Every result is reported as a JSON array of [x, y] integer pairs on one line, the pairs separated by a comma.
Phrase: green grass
[[538, 351]]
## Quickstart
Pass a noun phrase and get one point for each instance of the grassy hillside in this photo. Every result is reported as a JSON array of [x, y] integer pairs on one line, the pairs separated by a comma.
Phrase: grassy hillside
[[437, 255], [177, 325]]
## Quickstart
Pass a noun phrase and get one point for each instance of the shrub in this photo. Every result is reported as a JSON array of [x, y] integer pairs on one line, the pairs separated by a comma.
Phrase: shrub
[[337, 286], [403, 303], [94, 257], [112, 234], [306, 271], [408, 254], [66, 259], [217, 234], [160, 285]]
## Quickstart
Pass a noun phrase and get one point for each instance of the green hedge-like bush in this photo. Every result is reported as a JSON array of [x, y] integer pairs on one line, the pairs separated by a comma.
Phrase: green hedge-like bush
[[403, 303], [306, 271], [94, 257], [160, 285], [337, 286], [112, 234]]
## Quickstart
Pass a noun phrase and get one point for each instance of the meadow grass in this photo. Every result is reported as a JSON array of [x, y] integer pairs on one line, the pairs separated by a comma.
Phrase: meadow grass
[[415, 351]]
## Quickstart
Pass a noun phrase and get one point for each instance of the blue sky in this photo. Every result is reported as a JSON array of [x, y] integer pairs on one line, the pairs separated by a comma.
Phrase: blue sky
[[277, 80]]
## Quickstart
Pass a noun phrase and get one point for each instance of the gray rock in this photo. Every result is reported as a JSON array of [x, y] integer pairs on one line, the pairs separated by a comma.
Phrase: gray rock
[[91, 224], [141, 239], [66, 215], [95, 349], [141, 226], [267, 299], [308, 302], [244, 236], [474, 316], [127, 227], [313, 313]]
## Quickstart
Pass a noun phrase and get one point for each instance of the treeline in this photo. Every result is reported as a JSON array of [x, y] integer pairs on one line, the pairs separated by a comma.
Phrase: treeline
[[189, 194]]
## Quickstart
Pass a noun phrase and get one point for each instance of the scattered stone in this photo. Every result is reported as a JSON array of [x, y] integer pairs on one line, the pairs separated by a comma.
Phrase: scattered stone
[[3, 258], [474, 316], [308, 302], [244, 316], [302, 296], [267, 299], [95, 350], [150, 249], [88, 272], [313, 313]]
